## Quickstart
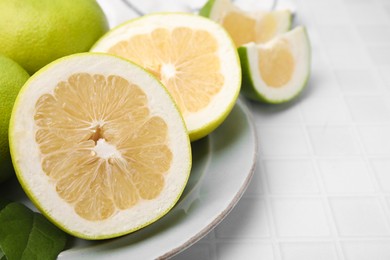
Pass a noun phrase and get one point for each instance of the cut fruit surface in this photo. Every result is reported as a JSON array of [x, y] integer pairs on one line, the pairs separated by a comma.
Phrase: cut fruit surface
[[277, 71], [192, 56], [99, 145], [245, 27]]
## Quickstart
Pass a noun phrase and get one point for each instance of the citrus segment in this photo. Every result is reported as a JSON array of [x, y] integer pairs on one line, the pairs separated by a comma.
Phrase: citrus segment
[[192, 56], [276, 64], [245, 27], [174, 66], [277, 71], [267, 26], [108, 145], [240, 27]]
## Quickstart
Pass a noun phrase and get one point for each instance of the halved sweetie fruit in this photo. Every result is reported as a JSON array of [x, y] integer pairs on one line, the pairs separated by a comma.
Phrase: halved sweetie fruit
[[277, 71], [99, 145], [244, 27], [193, 57]]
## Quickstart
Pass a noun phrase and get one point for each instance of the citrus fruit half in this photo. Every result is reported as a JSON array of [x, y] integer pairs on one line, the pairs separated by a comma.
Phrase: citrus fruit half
[[193, 57], [12, 78], [99, 145], [36, 32], [244, 27], [277, 71]]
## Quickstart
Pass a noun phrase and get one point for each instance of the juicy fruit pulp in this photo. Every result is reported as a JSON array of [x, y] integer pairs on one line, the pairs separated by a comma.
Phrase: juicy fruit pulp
[[276, 65], [245, 27], [100, 145], [192, 56], [181, 69]]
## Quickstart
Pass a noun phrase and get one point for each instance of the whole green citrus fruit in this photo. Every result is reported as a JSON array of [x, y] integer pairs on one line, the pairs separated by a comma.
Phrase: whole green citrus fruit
[[35, 32], [12, 78]]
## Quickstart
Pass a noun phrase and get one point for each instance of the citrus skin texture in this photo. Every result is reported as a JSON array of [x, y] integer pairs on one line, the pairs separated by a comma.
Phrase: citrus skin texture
[[12, 78], [36, 32]]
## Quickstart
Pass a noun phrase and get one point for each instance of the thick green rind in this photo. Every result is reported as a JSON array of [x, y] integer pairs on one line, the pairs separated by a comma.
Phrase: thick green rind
[[34, 199], [207, 8], [72, 27], [10, 71], [247, 85], [290, 22], [248, 88]]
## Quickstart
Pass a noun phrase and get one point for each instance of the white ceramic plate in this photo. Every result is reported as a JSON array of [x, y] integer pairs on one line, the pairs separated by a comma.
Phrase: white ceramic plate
[[223, 164]]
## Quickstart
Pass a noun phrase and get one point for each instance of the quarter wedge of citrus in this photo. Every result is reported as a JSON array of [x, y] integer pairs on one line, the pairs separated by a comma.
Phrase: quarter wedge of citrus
[[277, 71], [193, 57], [244, 27], [99, 145]]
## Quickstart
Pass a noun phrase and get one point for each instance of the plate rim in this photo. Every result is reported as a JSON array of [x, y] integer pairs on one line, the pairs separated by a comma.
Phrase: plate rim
[[221, 216]]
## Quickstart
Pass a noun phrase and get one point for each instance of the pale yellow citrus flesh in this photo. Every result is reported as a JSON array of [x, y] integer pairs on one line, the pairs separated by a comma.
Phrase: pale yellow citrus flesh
[[244, 29], [276, 64], [241, 28], [100, 146], [184, 59], [266, 28]]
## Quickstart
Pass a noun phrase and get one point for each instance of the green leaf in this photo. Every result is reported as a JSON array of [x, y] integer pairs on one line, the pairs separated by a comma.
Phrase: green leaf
[[3, 203], [2, 256], [25, 234]]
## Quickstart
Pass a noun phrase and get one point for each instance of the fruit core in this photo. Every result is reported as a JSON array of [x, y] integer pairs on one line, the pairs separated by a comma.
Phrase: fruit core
[[100, 146]]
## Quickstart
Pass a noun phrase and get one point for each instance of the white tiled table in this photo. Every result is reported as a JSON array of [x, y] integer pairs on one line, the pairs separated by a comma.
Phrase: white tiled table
[[321, 189]]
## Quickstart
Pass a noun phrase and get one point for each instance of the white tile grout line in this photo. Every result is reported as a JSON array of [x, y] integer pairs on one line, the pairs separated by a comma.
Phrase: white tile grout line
[[373, 176], [267, 203], [324, 197], [320, 182], [353, 126], [264, 195], [380, 194], [367, 161]]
